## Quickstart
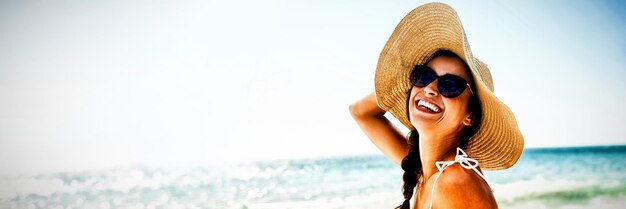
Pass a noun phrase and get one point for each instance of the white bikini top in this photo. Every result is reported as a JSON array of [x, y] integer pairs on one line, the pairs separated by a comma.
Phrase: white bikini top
[[463, 160]]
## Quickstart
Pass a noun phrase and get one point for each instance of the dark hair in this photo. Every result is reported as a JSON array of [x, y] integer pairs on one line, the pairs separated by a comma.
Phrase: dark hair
[[412, 166], [412, 163]]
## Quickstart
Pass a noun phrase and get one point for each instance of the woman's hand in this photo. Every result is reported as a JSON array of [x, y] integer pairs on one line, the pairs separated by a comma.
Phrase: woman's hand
[[379, 129]]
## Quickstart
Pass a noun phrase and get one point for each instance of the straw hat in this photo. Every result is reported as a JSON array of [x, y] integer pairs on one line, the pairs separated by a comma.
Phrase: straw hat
[[497, 143]]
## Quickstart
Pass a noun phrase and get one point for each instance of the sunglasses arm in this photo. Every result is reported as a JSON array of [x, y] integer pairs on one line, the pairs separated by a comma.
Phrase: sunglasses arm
[[470, 88]]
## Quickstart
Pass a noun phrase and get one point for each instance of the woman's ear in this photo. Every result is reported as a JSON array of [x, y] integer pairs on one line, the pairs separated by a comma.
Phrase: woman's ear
[[468, 120]]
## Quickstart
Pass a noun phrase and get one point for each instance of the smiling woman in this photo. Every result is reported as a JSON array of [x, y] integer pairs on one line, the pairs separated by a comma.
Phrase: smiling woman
[[108, 103], [429, 80]]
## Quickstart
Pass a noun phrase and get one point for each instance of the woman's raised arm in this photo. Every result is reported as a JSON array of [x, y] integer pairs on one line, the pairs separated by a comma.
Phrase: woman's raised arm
[[379, 129]]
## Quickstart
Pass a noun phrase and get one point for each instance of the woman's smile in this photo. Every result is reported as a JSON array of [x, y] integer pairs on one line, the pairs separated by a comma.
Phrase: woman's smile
[[427, 106]]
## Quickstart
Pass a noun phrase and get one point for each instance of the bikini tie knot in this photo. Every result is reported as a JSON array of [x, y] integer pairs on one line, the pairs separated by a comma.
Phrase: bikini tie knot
[[461, 158]]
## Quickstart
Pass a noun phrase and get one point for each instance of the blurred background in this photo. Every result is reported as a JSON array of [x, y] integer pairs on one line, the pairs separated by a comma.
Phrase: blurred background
[[95, 90]]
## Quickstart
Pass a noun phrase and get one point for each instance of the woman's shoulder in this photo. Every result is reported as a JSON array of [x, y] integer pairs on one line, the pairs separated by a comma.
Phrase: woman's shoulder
[[456, 175], [458, 187]]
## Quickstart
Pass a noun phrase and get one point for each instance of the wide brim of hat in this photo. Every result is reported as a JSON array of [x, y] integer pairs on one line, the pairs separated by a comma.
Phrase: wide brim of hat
[[498, 142]]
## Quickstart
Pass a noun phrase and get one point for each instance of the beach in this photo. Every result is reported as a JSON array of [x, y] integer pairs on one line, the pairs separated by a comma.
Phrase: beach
[[579, 177]]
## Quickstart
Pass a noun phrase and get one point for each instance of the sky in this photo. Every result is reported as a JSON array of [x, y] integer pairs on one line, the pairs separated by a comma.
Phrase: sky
[[97, 84]]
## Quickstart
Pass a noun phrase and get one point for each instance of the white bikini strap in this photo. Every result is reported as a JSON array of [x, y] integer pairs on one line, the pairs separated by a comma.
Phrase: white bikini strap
[[463, 160]]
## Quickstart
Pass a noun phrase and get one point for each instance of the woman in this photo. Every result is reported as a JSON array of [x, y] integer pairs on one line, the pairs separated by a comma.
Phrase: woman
[[429, 80]]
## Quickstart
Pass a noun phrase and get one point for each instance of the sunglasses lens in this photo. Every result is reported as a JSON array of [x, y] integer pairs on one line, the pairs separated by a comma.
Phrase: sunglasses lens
[[422, 75], [451, 86]]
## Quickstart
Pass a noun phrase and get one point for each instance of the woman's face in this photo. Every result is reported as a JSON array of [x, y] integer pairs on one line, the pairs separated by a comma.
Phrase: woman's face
[[452, 114]]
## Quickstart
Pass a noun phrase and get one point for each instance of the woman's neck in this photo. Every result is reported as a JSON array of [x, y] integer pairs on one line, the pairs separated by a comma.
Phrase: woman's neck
[[433, 149]]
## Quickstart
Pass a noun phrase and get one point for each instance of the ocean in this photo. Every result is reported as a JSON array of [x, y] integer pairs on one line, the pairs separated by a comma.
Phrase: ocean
[[580, 177]]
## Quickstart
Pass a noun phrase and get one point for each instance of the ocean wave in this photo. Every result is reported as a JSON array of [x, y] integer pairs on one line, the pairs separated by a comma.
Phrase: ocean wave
[[542, 179], [553, 193], [578, 195]]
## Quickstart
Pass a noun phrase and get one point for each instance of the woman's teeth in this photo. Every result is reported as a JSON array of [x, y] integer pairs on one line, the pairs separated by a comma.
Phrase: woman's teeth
[[430, 106]]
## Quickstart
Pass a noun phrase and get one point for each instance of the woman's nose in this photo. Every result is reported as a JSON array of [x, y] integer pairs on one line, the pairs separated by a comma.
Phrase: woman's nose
[[431, 88]]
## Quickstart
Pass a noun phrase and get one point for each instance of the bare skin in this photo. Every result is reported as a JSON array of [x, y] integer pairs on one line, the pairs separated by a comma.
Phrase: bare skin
[[379, 129], [439, 136]]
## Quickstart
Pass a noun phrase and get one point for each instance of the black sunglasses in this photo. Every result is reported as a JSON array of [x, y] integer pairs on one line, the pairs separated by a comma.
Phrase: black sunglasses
[[449, 85]]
